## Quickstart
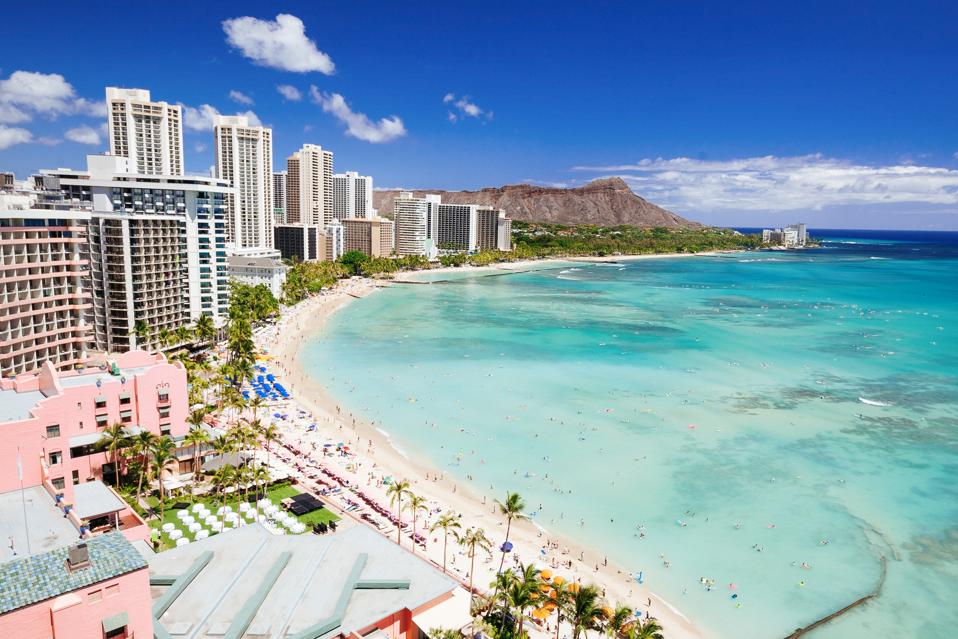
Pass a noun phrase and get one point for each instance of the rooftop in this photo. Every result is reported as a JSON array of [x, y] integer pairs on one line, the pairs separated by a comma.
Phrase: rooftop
[[46, 524], [43, 576], [93, 499], [16, 406], [282, 585]]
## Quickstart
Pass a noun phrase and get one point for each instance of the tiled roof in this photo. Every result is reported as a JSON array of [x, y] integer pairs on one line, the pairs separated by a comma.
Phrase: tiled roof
[[43, 576]]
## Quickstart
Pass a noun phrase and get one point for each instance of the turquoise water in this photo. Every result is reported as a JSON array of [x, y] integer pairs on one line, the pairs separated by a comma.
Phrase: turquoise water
[[722, 393]]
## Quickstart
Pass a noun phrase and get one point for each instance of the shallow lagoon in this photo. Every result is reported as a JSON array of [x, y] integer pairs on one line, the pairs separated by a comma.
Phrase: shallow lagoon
[[711, 403]]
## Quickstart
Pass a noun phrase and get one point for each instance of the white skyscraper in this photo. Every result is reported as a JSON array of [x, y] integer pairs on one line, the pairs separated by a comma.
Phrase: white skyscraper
[[416, 220], [353, 196], [244, 156], [309, 186], [149, 133]]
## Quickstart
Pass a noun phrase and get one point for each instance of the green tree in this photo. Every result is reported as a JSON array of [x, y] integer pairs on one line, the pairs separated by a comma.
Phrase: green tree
[[584, 610], [142, 445], [511, 508], [353, 261], [398, 489], [474, 539], [205, 329], [196, 438], [141, 331], [162, 456], [113, 439], [648, 630], [415, 504], [448, 521]]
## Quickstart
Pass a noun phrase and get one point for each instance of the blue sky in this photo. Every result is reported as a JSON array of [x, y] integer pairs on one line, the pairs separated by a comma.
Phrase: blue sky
[[840, 114]]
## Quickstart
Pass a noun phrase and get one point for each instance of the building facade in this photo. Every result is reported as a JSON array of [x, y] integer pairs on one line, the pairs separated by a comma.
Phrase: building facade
[[415, 219], [157, 247], [256, 271], [45, 301], [374, 236], [149, 133], [53, 420], [427, 226], [279, 197], [244, 157], [353, 196], [309, 186]]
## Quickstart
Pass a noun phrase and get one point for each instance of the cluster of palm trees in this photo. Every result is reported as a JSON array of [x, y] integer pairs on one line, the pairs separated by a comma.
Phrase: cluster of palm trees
[[153, 454], [528, 593], [203, 331]]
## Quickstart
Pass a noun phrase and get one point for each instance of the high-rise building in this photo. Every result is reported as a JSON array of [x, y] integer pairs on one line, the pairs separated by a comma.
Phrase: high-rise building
[[149, 133], [309, 242], [244, 157], [309, 186], [415, 219], [425, 226], [353, 196], [157, 248], [279, 197], [45, 302], [374, 237]]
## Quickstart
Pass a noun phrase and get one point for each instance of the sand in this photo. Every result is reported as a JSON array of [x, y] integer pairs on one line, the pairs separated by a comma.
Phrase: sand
[[375, 456]]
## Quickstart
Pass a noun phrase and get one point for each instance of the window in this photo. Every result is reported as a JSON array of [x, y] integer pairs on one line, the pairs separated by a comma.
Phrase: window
[[117, 633], [83, 451], [164, 396], [164, 429], [164, 411], [112, 590], [58, 483], [95, 595], [76, 477], [53, 430], [56, 457], [124, 399]]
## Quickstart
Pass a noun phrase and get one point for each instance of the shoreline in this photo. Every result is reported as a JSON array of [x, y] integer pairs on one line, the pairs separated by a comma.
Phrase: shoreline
[[308, 320], [521, 266]]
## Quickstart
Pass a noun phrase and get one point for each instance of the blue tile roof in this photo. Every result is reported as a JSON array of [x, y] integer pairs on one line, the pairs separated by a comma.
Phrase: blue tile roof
[[43, 576]]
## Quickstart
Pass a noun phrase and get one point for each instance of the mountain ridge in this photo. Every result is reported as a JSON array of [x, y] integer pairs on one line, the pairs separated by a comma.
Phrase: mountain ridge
[[604, 202]]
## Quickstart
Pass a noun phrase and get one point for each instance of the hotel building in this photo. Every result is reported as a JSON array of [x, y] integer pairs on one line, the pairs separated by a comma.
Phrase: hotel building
[[310, 242], [309, 186], [149, 133], [353, 196], [244, 157], [268, 271], [279, 197], [156, 245], [45, 301], [426, 226], [374, 236]]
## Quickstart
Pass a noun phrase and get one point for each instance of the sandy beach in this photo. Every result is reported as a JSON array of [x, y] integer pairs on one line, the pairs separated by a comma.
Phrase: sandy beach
[[374, 456]]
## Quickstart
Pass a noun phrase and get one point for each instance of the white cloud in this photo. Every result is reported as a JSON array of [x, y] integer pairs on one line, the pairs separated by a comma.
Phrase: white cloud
[[10, 135], [771, 183], [358, 125], [83, 135], [240, 98], [201, 117], [280, 44], [48, 141], [26, 93], [290, 92], [199, 147], [466, 108]]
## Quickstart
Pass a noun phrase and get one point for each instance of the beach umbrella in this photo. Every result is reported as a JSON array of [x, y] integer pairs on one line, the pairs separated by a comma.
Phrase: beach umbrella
[[506, 546]]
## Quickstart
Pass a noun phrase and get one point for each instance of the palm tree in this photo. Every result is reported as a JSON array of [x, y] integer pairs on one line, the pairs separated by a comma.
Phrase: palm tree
[[395, 492], [196, 438], [585, 610], [162, 455], [269, 435], [204, 328], [473, 539], [618, 623], [223, 479], [559, 597], [511, 508], [415, 505], [447, 521], [183, 334], [523, 593], [255, 404], [165, 336], [142, 447], [261, 476], [648, 630], [141, 330], [113, 439]]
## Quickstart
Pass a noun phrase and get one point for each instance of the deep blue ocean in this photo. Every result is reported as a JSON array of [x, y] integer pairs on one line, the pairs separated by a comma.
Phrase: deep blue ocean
[[785, 422]]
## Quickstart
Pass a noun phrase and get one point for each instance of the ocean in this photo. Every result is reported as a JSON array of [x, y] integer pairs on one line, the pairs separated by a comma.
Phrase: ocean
[[779, 423]]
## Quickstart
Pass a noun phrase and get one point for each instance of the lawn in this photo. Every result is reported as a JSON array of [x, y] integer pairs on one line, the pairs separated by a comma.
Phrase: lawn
[[276, 494]]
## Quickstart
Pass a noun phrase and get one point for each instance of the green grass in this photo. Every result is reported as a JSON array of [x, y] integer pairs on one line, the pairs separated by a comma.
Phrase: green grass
[[276, 494]]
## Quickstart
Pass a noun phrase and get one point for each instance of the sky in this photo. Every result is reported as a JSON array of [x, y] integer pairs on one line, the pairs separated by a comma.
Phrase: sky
[[839, 114]]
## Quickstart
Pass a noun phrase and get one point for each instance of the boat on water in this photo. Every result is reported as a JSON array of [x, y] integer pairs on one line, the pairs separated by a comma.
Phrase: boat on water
[[873, 402]]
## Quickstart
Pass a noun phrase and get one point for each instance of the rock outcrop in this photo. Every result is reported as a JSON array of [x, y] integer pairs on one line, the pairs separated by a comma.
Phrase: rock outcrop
[[605, 202]]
